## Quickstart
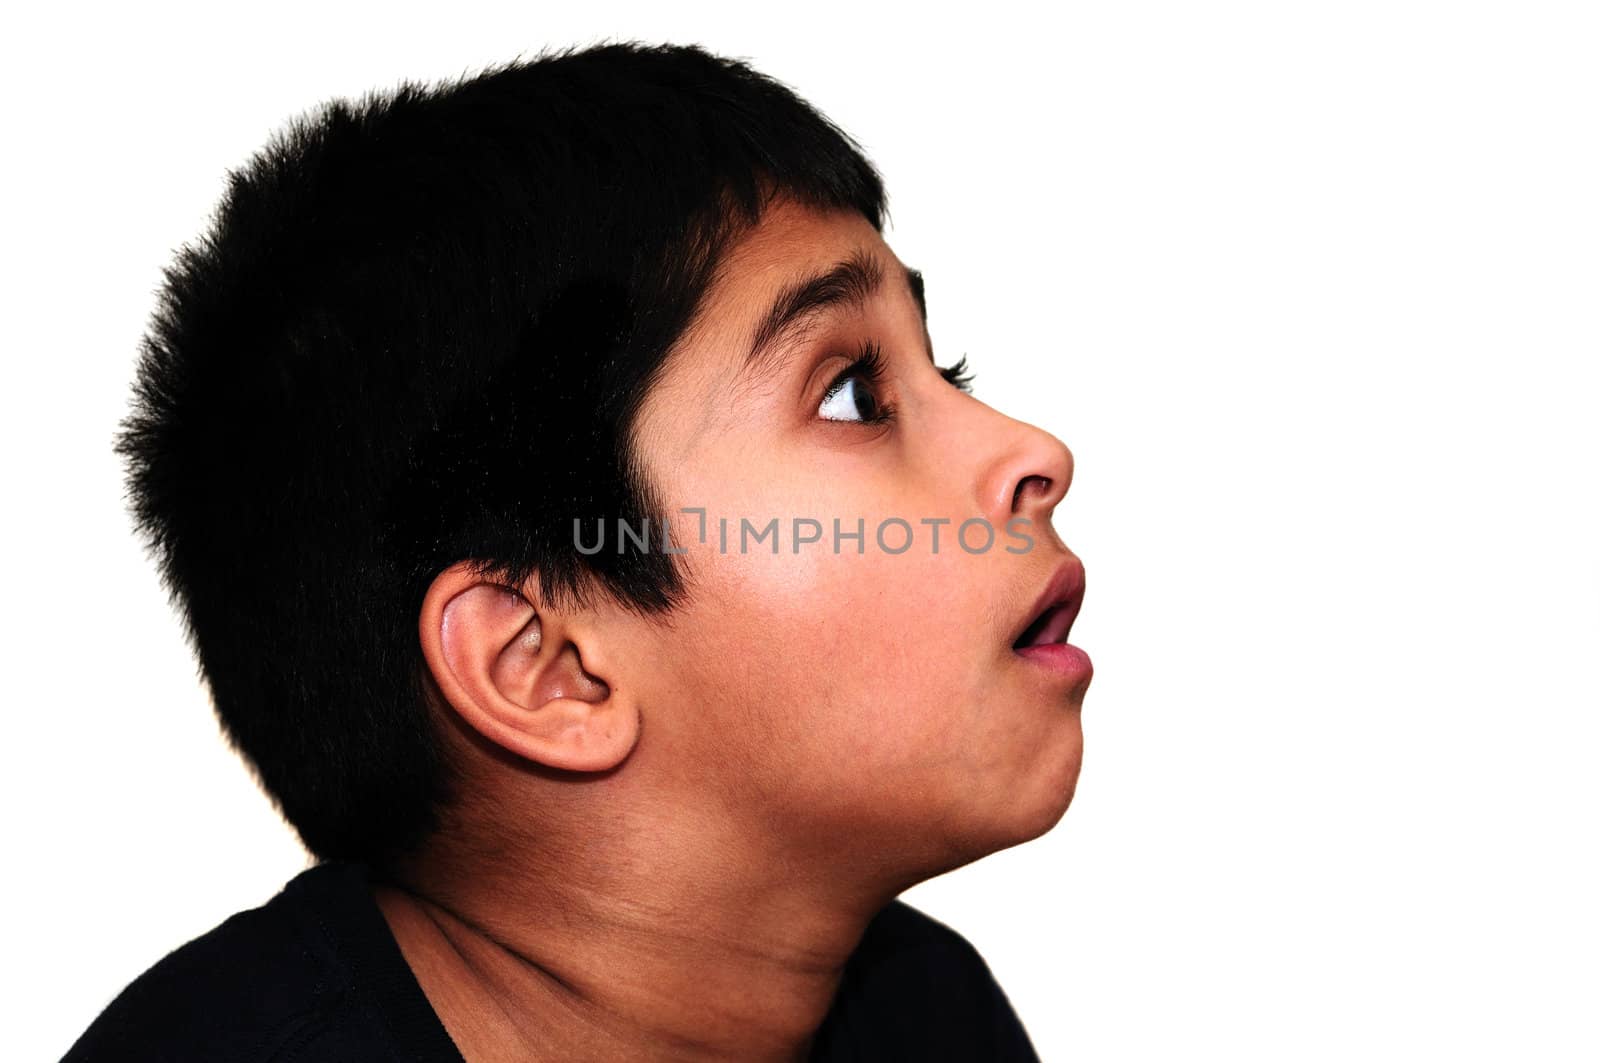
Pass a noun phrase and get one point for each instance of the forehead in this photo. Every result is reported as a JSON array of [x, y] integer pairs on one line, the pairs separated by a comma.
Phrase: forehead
[[797, 266], [792, 235]]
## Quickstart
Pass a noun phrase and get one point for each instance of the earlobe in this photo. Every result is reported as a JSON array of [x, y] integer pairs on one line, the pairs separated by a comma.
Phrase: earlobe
[[516, 675]]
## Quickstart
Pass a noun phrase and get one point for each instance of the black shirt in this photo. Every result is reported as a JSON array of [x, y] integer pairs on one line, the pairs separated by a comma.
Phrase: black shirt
[[316, 975]]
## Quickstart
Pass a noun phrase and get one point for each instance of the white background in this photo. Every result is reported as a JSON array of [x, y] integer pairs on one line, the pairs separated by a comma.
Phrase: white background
[[1310, 290]]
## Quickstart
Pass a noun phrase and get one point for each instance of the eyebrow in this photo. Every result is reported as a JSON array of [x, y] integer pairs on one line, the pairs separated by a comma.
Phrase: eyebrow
[[848, 284]]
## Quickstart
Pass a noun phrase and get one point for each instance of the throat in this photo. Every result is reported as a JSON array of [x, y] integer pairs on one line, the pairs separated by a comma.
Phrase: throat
[[530, 994]]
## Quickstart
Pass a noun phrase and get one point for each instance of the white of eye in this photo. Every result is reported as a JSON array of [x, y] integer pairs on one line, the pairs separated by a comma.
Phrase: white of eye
[[842, 401]]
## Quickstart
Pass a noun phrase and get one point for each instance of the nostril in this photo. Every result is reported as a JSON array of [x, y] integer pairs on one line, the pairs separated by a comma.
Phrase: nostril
[[1043, 486]]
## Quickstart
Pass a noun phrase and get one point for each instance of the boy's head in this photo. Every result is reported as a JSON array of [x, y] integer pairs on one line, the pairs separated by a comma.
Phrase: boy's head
[[438, 344]]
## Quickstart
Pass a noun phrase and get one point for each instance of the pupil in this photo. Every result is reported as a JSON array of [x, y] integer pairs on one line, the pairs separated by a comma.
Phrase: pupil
[[863, 398]]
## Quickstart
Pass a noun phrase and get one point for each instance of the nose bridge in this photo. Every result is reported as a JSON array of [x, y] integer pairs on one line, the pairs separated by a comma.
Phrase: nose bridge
[[1027, 475]]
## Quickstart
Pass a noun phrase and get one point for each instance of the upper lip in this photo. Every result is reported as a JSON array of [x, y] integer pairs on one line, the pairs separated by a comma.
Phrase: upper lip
[[1065, 589]]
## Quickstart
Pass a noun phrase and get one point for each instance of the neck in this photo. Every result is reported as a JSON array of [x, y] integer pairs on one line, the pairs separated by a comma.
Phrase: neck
[[693, 946]]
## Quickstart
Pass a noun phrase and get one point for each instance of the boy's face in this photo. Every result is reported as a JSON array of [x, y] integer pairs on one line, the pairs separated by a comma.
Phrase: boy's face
[[867, 705]]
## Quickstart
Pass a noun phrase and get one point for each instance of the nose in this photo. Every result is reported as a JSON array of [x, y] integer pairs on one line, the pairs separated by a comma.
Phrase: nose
[[1027, 477]]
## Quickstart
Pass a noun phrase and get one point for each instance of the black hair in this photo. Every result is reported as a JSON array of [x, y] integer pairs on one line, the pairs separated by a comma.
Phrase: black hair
[[416, 332]]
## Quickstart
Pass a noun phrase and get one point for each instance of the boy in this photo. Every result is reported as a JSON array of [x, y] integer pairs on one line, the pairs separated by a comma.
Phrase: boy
[[438, 439]]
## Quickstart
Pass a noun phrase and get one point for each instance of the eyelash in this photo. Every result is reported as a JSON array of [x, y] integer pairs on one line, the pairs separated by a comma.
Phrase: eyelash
[[870, 367], [959, 375]]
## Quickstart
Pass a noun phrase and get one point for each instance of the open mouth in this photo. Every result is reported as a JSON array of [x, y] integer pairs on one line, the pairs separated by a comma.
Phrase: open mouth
[[1056, 609], [1053, 625]]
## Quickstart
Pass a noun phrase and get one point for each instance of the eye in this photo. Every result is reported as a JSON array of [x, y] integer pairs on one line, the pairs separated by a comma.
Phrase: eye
[[853, 395], [849, 398]]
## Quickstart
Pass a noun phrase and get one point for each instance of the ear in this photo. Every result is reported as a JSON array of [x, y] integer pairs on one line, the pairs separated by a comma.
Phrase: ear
[[515, 674]]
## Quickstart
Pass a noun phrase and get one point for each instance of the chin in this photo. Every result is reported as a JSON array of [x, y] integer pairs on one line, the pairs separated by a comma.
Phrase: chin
[[1042, 798], [1047, 812], [1019, 810]]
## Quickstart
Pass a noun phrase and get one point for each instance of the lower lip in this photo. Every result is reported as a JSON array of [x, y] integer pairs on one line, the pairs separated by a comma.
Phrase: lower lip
[[1060, 657]]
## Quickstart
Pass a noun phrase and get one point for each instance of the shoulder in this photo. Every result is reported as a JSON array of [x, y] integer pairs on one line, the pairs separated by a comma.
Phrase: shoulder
[[258, 986], [915, 986]]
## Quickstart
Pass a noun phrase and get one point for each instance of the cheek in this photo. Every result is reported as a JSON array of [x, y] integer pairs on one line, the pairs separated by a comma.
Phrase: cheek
[[834, 669]]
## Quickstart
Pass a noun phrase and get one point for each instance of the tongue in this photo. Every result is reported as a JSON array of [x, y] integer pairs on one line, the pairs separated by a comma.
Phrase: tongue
[[1056, 628]]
